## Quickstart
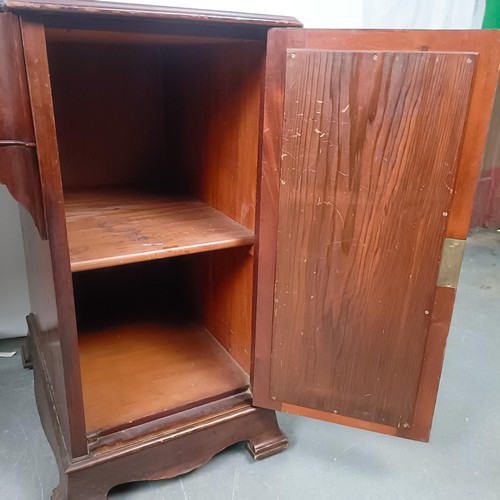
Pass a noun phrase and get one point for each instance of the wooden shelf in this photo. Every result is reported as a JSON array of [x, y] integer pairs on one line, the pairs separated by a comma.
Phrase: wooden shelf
[[136, 372], [113, 228]]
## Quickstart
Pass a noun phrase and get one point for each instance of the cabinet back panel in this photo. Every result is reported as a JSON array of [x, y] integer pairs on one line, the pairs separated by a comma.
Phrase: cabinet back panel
[[363, 211], [109, 117]]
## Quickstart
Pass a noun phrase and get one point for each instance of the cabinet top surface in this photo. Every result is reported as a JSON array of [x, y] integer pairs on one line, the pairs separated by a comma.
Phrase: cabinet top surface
[[98, 8]]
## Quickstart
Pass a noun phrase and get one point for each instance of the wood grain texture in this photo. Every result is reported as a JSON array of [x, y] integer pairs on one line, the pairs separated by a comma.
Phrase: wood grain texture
[[174, 368], [220, 111], [267, 211], [486, 43], [59, 320], [225, 288], [363, 208], [114, 228]]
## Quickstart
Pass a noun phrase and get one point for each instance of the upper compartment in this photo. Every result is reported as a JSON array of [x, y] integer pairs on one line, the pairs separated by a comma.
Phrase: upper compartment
[[158, 142]]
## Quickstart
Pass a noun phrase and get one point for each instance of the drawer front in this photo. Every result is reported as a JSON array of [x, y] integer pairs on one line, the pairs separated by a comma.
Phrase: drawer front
[[16, 126]]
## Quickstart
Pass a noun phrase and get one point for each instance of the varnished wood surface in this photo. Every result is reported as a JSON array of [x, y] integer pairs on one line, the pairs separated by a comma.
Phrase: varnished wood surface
[[113, 228], [486, 43], [363, 210], [133, 372], [225, 286], [221, 109], [97, 8], [52, 282], [431, 366]]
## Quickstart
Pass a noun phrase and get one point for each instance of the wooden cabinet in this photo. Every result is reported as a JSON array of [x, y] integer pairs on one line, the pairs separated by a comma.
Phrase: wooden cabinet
[[226, 215]]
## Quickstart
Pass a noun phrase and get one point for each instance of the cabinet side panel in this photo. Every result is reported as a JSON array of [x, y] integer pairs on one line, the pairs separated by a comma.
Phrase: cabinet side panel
[[363, 210], [220, 123], [44, 309], [15, 112], [61, 323]]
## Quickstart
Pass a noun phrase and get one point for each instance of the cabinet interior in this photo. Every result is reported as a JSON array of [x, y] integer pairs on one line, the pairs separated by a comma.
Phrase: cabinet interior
[[158, 147]]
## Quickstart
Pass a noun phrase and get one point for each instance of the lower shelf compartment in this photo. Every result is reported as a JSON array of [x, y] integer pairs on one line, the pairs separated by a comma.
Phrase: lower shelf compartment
[[137, 372]]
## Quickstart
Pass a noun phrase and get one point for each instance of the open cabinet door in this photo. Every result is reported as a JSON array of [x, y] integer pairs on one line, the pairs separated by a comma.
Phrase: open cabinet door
[[372, 144]]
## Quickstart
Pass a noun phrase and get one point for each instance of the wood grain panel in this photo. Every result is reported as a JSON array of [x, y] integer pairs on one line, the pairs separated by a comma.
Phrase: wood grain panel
[[363, 209], [486, 43], [174, 367], [226, 307], [220, 113], [112, 228]]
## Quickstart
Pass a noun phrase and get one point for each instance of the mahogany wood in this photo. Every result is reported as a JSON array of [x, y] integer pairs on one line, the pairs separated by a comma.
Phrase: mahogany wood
[[361, 200], [184, 442], [174, 367], [113, 134], [72, 35], [117, 9], [267, 221], [335, 418], [486, 43], [112, 228], [431, 366], [225, 289], [56, 318], [18, 165], [161, 110], [221, 112], [279, 42], [15, 112]]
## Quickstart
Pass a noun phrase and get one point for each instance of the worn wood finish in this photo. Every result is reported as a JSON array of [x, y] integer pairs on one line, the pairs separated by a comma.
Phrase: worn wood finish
[[60, 324], [431, 366], [486, 43], [444, 194], [116, 9], [19, 172], [113, 228], [362, 200], [174, 367], [335, 418], [468, 163], [267, 216]]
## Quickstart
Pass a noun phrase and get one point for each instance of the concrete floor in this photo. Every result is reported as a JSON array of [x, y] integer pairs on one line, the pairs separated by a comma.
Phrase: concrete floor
[[325, 460]]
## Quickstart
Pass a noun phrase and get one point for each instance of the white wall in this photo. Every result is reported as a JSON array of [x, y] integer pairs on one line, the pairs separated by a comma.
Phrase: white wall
[[314, 14], [14, 304]]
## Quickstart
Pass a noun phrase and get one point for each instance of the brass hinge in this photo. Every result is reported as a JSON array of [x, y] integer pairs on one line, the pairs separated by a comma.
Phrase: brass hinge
[[451, 262]]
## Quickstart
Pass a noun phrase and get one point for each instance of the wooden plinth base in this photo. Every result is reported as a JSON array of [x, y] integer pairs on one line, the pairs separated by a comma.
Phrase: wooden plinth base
[[160, 449]]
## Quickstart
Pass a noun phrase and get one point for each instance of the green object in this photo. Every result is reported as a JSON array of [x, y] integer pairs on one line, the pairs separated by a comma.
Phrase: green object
[[492, 14]]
